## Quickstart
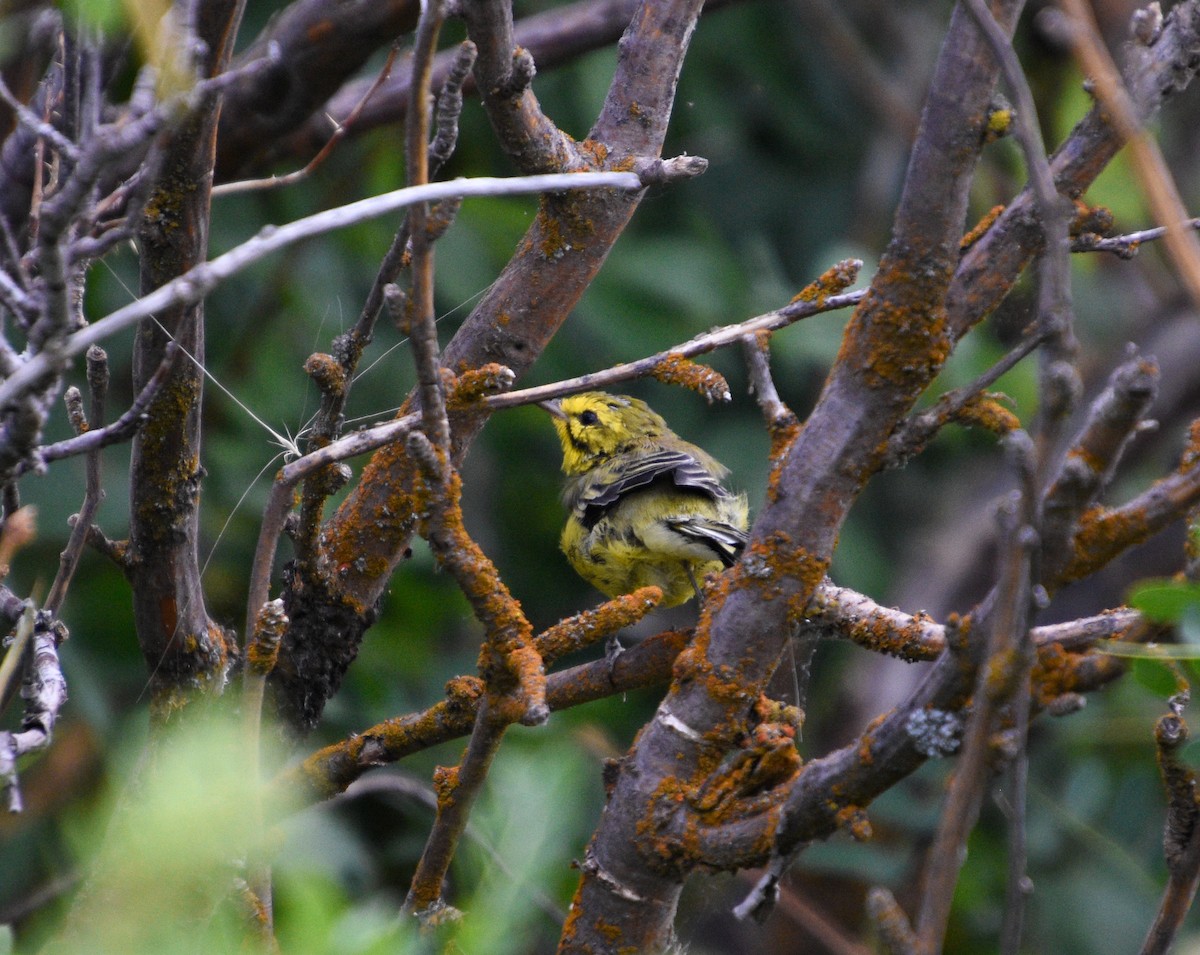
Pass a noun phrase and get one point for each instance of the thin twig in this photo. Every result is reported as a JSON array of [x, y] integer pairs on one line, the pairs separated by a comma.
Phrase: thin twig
[[802, 306], [422, 320], [1005, 631], [197, 282], [457, 788], [757, 352], [36, 125], [393, 784], [916, 432], [262, 650], [339, 133], [1058, 376], [45, 693], [1147, 159], [1123, 246], [97, 365], [96, 438], [1010, 667], [1083, 474], [512, 669], [1181, 834]]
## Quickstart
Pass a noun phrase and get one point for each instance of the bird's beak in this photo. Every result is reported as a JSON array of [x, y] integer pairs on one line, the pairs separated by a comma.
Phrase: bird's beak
[[554, 408]]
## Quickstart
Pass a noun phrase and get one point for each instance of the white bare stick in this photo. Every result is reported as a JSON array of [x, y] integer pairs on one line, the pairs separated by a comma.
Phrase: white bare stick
[[196, 283]]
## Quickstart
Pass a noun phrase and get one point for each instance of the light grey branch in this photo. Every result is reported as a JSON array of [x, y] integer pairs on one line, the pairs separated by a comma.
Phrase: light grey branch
[[196, 283]]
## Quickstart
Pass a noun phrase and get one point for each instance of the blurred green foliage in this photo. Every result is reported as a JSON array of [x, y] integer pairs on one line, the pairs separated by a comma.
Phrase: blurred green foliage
[[803, 173]]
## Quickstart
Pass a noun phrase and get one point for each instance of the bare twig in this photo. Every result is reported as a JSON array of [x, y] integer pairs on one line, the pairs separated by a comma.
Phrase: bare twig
[[1088, 467], [1123, 246], [1059, 380], [97, 364], [339, 133], [915, 433], [998, 679], [197, 282], [1147, 160], [1181, 834], [821, 296], [757, 352], [45, 693], [36, 125], [98, 437], [421, 319]]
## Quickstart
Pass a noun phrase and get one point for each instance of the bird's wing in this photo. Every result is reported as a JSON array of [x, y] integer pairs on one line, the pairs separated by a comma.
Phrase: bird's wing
[[725, 540], [638, 471], [606, 486]]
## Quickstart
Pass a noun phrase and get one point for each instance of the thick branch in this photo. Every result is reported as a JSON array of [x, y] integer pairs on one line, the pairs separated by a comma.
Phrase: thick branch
[[895, 344], [554, 263]]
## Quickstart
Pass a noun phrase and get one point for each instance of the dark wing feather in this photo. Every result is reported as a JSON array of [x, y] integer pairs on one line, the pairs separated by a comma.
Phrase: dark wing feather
[[725, 540], [641, 470]]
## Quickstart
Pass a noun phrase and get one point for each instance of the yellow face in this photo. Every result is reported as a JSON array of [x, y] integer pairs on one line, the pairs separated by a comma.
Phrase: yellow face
[[594, 425]]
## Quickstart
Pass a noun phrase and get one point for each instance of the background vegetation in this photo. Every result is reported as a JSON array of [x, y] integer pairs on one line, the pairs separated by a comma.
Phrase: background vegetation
[[806, 111]]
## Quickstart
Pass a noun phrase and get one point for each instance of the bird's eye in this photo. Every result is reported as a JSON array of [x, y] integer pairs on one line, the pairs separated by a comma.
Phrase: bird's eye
[[588, 417]]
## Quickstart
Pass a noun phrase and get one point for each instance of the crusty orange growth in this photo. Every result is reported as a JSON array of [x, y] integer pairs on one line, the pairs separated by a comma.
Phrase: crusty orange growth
[[647, 508]]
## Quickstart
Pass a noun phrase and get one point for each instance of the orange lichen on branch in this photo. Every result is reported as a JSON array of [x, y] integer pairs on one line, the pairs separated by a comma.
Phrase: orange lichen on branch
[[767, 710], [913, 638], [988, 220], [900, 342], [586, 628], [665, 852], [1058, 674], [465, 391], [865, 756], [329, 771], [1003, 670], [720, 684], [1094, 220], [263, 649], [596, 151], [833, 281], [445, 785], [783, 435], [561, 227], [508, 661], [674, 369], [327, 373], [853, 819], [1101, 535], [767, 762], [1104, 533], [767, 564], [985, 411], [526, 702]]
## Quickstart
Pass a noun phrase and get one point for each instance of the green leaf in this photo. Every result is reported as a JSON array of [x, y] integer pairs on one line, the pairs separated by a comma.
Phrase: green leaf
[[1148, 651], [1165, 601], [1155, 676]]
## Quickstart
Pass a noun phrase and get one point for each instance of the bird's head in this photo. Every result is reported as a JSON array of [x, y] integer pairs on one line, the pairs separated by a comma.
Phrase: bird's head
[[595, 425]]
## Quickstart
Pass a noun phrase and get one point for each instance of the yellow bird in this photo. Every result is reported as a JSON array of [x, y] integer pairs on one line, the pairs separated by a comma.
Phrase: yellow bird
[[646, 507]]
